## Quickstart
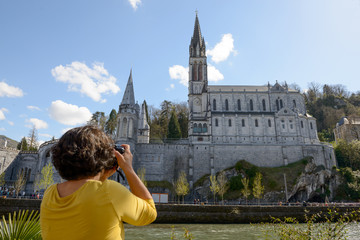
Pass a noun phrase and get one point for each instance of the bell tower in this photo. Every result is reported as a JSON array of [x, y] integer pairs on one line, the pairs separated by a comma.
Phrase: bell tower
[[198, 83]]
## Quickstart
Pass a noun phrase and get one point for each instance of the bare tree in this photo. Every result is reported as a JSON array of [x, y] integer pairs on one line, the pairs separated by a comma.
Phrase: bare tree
[[246, 190], [223, 185], [19, 183], [214, 186]]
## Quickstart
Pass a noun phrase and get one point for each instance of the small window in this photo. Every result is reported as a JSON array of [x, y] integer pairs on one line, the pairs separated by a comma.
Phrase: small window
[[243, 122], [277, 105], [311, 125], [226, 105], [204, 128], [251, 105], [291, 126], [195, 128], [239, 104], [302, 124], [256, 123], [283, 126], [294, 103], [216, 122], [264, 105], [269, 122], [214, 104], [229, 122], [281, 103]]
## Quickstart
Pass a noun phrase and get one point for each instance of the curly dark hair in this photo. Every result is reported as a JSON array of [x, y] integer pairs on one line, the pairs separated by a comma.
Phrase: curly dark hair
[[83, 152]]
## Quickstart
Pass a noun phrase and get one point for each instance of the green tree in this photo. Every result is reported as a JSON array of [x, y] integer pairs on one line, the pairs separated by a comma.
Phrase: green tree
[[258, 188], [174, 131], [223, 185], [98, 119], [182, 185], [246, 188], [46, 179], [214, 186], [23, 146], [110, 126]]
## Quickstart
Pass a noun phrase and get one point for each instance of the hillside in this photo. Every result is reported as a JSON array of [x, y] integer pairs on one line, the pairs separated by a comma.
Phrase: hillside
[[10, 142]]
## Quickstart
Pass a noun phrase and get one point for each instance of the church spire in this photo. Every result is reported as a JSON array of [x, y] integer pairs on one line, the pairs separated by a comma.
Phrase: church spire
[[197, 45], [129, 96]]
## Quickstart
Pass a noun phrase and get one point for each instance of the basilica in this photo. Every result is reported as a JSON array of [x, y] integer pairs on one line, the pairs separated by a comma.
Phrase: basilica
[[265, 125]]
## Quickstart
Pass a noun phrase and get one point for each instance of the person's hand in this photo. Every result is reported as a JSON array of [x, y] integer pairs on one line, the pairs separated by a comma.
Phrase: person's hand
[[124, 160]]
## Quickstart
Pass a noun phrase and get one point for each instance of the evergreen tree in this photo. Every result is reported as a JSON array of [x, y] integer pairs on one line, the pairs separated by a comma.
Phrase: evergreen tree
[[98, 119], [174, 131], [110, 126], [23, 146]]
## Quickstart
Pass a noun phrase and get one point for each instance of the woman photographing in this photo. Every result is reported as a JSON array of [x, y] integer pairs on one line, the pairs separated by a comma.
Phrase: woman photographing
[[88, 205]]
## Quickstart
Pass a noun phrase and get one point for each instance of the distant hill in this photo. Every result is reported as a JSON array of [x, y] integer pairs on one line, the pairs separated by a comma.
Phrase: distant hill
[[10, 143]]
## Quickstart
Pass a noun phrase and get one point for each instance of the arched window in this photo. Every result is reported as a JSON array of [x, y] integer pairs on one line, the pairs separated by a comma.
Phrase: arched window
[[229, 122], [194, 72], [311, 126], [204, 128], [226, 105], [251, 105], [195, 128], [277, 105], [281, 103], [124, 128], [216, 122], [302, 124], [214, 104], [256, 123], [243, 122], [269, 122], [294, 103], [239, 104], [200, 72], [264, 105], [199, 128]]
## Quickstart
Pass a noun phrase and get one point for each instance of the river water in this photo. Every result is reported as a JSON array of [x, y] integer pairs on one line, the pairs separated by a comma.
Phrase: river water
[[211, 231]]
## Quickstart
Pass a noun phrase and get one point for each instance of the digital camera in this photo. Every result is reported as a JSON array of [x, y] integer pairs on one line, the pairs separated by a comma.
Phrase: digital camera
[[119, 148]]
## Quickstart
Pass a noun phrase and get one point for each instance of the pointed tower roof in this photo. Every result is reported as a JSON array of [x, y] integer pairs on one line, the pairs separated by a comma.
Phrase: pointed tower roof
[[197, 38], [129, 96]]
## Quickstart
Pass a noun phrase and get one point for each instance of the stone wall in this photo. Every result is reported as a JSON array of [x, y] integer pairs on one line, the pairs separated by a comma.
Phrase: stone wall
[[189, 214], [7, 156]]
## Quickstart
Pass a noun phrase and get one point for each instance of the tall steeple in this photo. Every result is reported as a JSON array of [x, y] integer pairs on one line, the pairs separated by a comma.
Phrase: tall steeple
[[129, 96], [197, 45]]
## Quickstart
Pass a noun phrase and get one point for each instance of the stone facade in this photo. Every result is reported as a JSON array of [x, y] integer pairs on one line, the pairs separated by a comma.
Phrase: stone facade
[[264, 125], [348, 129]]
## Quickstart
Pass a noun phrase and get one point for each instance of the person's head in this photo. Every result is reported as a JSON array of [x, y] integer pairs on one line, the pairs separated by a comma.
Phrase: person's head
[[83, 152]]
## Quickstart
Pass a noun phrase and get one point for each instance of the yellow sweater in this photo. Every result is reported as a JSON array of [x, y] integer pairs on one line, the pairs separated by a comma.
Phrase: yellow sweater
[[96, 210]]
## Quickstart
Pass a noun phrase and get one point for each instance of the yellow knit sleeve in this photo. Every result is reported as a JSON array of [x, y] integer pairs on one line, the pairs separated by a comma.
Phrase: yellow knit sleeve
[[130, 208]]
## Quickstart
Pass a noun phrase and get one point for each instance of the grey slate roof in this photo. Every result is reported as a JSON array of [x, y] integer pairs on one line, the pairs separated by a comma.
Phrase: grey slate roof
[[129, 96]]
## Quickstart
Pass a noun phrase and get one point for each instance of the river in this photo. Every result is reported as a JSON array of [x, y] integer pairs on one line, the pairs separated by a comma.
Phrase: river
[[211, 231]]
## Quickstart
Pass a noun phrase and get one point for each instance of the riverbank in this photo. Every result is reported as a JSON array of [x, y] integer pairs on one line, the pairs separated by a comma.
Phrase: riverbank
[[215, 214]]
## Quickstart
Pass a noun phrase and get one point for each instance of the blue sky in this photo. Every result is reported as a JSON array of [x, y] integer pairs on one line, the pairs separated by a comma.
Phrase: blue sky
[[60, 61]]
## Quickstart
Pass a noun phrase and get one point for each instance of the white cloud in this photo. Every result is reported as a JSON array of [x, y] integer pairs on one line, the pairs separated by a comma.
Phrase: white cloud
[[222, 50], [135, 3], [180, 73], [214, 75], [11, 123], [2, 113], [10, 91], [45, 135], [69, 114], [2, 129], [37, 123], [93, 82], [33, 108], [172, 86], [65, 130]]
